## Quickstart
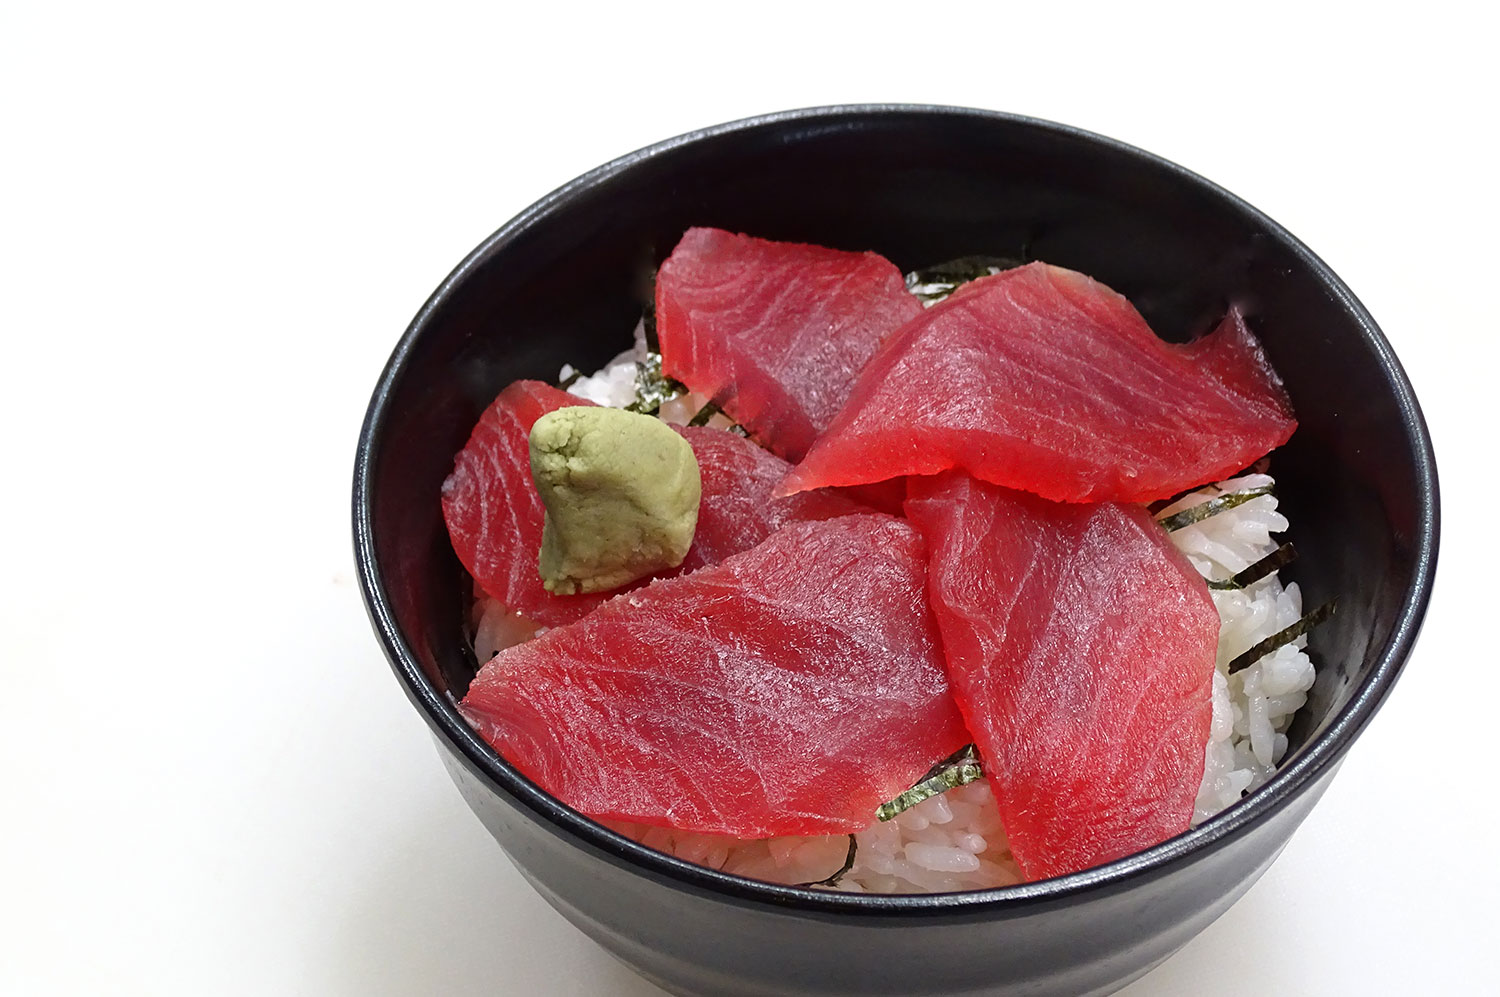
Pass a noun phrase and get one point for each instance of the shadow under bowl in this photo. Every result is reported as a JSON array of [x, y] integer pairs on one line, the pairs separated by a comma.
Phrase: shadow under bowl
[[564, 282]]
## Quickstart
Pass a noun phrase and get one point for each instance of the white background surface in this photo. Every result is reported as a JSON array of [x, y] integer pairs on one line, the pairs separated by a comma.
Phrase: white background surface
[[216, 223]]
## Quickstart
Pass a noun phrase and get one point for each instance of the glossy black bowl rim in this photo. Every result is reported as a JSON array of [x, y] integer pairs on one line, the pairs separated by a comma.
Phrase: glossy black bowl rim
[[1289, 782]]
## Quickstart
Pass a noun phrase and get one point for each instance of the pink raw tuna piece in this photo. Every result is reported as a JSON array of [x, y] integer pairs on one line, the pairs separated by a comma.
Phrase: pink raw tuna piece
[[774, 331], [882, 496], [1044, 380], [737, 510], [789, 689], [495, 515], [1080, 645]]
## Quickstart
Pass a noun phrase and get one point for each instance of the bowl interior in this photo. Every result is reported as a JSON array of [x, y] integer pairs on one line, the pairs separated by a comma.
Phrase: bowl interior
[[565, 283]]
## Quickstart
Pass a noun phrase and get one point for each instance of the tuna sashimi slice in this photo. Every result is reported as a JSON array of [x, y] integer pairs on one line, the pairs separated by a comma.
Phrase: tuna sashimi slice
[[492, 509], [775, 332], [495, 515], [737, 510], [789, 689], [1080, 645], [1045, 380]]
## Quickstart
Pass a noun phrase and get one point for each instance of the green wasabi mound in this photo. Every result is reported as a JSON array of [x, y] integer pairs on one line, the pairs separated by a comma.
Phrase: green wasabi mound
[[621, 491]]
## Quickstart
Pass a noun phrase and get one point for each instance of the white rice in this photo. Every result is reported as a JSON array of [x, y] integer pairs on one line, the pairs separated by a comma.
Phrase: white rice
[[614, 386], [955, 841], [1253, 707]]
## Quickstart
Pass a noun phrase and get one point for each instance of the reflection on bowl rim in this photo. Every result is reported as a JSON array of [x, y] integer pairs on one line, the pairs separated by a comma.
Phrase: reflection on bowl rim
[[1323, 751]]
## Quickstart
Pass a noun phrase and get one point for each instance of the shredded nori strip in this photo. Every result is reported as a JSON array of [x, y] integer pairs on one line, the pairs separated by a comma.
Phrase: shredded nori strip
[[711, 409], [568, 381], [1198, 513], [1272, 562], [958, 769], [707, 412], [848, 864], [960, 270], [1281, 637], [1160, 504], [942, 279], [652, 388]]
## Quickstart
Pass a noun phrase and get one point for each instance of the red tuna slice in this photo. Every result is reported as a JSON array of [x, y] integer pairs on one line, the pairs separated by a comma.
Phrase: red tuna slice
[[1045, 380], [789, 689], [737, 510], [882, 496], [775, 332], [495, 515], [1080, 645]]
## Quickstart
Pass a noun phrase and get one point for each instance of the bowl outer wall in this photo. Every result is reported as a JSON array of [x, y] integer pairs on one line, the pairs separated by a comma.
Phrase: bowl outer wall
[[1135, 221], [696, 941]]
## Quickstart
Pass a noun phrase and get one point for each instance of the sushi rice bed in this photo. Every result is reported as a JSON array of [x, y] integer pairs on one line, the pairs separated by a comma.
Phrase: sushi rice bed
[[955, 841]]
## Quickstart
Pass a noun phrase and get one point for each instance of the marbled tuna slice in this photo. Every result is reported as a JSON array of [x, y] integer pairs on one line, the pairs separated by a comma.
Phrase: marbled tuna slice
[[495, 515], [1080, 644], [775, 331], [789, 689], [1045, 380]]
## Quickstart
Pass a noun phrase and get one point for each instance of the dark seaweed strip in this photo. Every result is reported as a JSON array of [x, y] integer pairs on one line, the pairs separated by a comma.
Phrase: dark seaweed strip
[[653, 388], [711, 409], [956, 770], [1214, 506], [568, 381], [942, 279], [1281, 637], [1261, 466], [1161, 504], [707, 412], [848, 864], [1274, 561], [960, 270]]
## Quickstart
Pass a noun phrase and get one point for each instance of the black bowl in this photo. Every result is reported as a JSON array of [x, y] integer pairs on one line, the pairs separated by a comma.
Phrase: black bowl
[[565, 281]]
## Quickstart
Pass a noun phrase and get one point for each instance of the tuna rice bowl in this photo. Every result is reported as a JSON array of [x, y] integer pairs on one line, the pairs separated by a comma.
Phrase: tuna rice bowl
[[883, 582]]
